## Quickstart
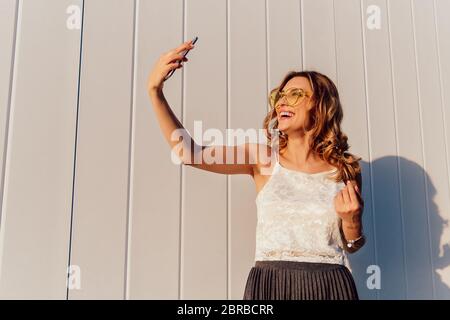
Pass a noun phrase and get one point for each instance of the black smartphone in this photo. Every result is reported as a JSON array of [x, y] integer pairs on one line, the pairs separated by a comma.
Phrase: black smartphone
[[184, 55]]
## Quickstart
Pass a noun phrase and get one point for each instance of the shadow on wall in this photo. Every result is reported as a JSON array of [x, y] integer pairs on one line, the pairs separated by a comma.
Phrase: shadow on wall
[[407, 234]]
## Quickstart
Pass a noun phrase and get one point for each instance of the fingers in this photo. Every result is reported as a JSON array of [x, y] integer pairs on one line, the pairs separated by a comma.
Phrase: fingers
[[174, 65], [185, 46], [345, 195], [339, 200], [358, 194], [348, 199], [354, 184], [356, 191], [355, 197], [172, 56], [351, 192]]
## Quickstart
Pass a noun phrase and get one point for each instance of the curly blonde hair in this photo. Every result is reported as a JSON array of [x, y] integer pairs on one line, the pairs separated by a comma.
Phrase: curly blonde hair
[[327, 139]]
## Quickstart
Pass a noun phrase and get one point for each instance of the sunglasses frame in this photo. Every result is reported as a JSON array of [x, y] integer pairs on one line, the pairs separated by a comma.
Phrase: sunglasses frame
[[283, 94]]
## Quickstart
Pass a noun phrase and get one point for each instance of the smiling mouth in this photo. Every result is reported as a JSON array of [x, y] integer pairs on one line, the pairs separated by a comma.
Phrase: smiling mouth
[[285, 115]]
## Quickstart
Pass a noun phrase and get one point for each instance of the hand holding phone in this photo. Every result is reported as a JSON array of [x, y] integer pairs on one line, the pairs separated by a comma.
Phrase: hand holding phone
[[185, 52]]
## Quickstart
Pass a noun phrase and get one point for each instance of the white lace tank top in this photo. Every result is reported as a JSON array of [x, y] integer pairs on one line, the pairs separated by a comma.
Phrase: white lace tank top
[[296, 219]]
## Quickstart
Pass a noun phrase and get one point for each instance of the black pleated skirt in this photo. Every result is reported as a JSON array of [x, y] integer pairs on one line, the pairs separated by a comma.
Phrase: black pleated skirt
[[293, 280]]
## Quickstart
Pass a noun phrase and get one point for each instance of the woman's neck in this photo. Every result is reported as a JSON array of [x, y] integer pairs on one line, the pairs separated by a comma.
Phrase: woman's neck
[[299, 153]]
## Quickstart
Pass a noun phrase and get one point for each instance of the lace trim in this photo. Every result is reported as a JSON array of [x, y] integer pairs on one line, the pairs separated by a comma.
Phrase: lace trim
[[292, 253]]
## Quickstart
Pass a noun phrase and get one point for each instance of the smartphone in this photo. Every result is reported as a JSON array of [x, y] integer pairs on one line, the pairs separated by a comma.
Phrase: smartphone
[[184, 55]]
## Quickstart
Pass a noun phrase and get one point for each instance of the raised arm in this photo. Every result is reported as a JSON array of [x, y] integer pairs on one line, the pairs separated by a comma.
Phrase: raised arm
[[350, 206], [170, 125]]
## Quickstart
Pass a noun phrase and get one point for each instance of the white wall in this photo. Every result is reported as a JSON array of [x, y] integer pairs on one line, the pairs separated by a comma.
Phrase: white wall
[[87, 178]]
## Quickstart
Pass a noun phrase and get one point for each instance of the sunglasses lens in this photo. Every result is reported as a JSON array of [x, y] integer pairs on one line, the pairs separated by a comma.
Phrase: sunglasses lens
[[274, 97], [293, 96]]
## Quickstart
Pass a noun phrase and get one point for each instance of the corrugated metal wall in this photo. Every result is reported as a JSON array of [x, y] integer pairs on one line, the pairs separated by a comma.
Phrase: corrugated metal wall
[[88, 181]]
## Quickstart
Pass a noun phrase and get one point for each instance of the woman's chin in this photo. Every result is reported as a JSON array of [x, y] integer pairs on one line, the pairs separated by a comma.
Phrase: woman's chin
[[287, 130], [283, 128]]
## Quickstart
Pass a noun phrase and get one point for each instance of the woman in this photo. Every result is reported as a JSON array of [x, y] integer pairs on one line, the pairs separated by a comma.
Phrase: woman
[[309, 207]]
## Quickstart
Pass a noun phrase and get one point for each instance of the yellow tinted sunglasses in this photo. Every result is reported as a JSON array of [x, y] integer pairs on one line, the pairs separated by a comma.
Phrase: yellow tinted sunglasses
[[293, 96]]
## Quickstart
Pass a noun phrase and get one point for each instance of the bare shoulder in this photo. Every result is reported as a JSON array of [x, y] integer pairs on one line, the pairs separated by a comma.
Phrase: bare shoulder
[[260, 156]]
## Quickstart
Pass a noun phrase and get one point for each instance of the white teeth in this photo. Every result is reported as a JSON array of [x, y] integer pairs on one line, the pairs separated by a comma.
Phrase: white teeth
[[286, 113]]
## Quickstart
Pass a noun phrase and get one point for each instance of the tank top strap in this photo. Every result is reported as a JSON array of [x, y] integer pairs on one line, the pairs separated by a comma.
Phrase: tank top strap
[[273, 164], [275, 145], [275, 157]]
